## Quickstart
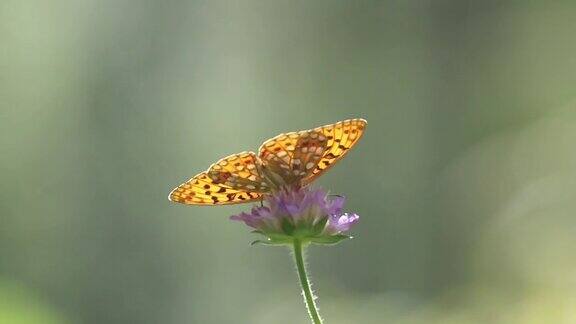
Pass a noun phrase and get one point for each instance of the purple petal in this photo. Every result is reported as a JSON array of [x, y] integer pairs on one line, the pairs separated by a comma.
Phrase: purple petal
[[342, 223], [336, 205]]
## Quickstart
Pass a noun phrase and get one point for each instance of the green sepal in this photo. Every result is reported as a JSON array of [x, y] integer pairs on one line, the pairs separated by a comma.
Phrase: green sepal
[[305, 234], [274, 239], [264, 242], [287, 226], [329, 240], [319, 227]]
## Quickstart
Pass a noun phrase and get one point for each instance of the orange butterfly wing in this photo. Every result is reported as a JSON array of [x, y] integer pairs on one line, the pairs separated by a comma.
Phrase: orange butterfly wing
[[232, 180], [341, 136], [293, 156], [300, 157]]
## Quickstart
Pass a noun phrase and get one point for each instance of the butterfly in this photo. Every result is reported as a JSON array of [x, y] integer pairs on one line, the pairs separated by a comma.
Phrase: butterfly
[[292, 159]]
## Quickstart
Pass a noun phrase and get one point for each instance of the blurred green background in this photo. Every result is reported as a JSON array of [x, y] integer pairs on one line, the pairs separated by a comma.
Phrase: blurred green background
[[465, 179]]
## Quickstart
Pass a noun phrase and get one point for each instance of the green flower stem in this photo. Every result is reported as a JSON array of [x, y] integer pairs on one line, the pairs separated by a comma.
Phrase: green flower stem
[[305, 283]]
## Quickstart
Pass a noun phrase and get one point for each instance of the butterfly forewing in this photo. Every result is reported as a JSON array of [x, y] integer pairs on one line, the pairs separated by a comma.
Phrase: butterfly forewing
[[233, 179], [341, 137]]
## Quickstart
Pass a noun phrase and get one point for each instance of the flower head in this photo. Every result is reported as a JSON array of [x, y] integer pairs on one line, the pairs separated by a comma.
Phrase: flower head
[[300, 213]]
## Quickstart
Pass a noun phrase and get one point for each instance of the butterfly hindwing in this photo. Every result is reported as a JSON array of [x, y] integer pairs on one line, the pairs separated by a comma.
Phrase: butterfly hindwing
[[309, 150], [239, 171], [293, 156], [201, 190], [276, 153]]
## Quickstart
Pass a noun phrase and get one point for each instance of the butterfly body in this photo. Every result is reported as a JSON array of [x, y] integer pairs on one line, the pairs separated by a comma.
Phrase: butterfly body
[[292, 159]]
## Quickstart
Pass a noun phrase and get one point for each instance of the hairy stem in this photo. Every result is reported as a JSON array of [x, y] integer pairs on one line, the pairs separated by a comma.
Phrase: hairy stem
[[305, 283]]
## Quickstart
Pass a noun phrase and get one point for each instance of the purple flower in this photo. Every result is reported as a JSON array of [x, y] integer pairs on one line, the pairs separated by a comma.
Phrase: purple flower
[[305, 214]]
